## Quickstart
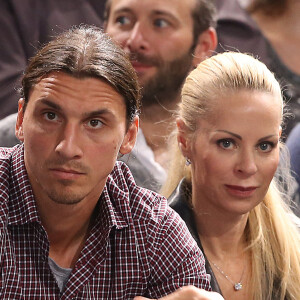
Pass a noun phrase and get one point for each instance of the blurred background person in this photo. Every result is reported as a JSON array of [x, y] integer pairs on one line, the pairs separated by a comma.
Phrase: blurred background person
[[228, 133], [24, 26], [270, 30], [165, 41], [7, 131], [293, 144]]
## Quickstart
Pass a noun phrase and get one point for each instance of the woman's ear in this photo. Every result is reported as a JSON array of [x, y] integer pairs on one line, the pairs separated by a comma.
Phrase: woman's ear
[[130, 137], [183, 138], [280, 131], [19, 124]]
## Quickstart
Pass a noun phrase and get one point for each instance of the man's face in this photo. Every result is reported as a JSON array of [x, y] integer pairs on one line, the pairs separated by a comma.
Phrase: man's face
[[72, 130], [158, 36]]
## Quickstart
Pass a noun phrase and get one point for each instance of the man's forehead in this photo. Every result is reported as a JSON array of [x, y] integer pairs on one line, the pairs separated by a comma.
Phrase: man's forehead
[[172, 7], [60, 84], [65, 80]]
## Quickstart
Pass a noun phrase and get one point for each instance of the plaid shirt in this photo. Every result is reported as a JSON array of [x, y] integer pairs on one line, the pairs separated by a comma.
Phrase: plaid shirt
[[137, 246]]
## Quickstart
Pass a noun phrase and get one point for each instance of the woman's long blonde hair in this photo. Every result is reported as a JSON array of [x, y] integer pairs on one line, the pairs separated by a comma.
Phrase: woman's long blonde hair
[[274, 239]]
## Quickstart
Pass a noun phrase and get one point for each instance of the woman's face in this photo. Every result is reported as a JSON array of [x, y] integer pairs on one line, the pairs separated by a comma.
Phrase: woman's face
[[235, 152]]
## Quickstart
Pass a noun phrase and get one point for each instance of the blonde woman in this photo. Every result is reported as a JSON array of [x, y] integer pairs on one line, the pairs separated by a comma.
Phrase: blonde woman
[[227, 152]]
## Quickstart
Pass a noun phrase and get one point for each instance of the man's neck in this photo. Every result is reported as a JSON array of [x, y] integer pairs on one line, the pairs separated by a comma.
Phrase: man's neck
[[67, 227], [157, 123]]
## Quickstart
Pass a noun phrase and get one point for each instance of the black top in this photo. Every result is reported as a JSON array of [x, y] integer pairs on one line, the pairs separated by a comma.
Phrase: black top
[[178, 201]]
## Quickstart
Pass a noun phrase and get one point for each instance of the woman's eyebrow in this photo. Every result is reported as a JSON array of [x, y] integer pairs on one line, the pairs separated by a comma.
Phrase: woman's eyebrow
[[231, 133]]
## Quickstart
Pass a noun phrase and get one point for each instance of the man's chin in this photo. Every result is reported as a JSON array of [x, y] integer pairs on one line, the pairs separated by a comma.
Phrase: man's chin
[[65, 198], [144, 77]]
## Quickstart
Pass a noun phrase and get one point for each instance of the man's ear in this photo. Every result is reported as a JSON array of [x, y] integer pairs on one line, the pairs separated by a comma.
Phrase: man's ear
[[205, 45], [130, 137], [19, 124], [183, 138]]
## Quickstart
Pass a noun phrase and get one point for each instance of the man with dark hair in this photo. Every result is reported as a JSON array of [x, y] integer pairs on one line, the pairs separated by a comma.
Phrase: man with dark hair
[[165, 40], [73, 223]]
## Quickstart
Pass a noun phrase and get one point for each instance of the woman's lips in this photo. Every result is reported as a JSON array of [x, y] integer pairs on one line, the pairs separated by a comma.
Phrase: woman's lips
[[240, 191]]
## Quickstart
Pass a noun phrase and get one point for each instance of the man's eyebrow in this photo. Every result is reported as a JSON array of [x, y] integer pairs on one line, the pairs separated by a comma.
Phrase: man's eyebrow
[[163, 13], [51, 104], [231, 133], [122, 10], [86, 115], [98, 112], [156, 12]]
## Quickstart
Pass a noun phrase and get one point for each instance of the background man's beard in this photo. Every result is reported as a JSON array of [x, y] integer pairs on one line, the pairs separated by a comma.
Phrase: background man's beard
[[165, 86]]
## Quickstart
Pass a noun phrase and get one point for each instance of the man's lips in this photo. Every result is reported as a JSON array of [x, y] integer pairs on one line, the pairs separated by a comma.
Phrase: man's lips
[[67, 174], [139, 66], [241, 191]]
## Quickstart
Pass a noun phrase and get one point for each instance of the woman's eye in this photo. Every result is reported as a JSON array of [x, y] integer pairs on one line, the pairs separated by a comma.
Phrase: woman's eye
[[226, 144], [266, 146], [50, 116], [95, 123]]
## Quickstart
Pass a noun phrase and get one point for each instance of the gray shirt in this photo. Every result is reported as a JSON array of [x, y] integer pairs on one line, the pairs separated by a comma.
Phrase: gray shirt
[[61, 274]]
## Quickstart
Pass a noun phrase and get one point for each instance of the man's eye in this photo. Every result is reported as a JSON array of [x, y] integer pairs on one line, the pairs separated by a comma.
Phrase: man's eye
[[50, 116], [161, 23], [123, 20], [95, 123]]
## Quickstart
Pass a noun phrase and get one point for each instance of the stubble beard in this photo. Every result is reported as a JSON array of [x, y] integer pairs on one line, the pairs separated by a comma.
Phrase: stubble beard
[[64, 197], [62, 191]]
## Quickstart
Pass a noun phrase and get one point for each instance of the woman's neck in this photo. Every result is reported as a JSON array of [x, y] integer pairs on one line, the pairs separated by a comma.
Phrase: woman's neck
[[223, 237], [224, 245], [221, 230]]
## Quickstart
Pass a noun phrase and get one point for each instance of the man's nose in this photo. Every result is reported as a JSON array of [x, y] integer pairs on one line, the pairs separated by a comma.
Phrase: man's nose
[[69, 142], [137, 40]]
